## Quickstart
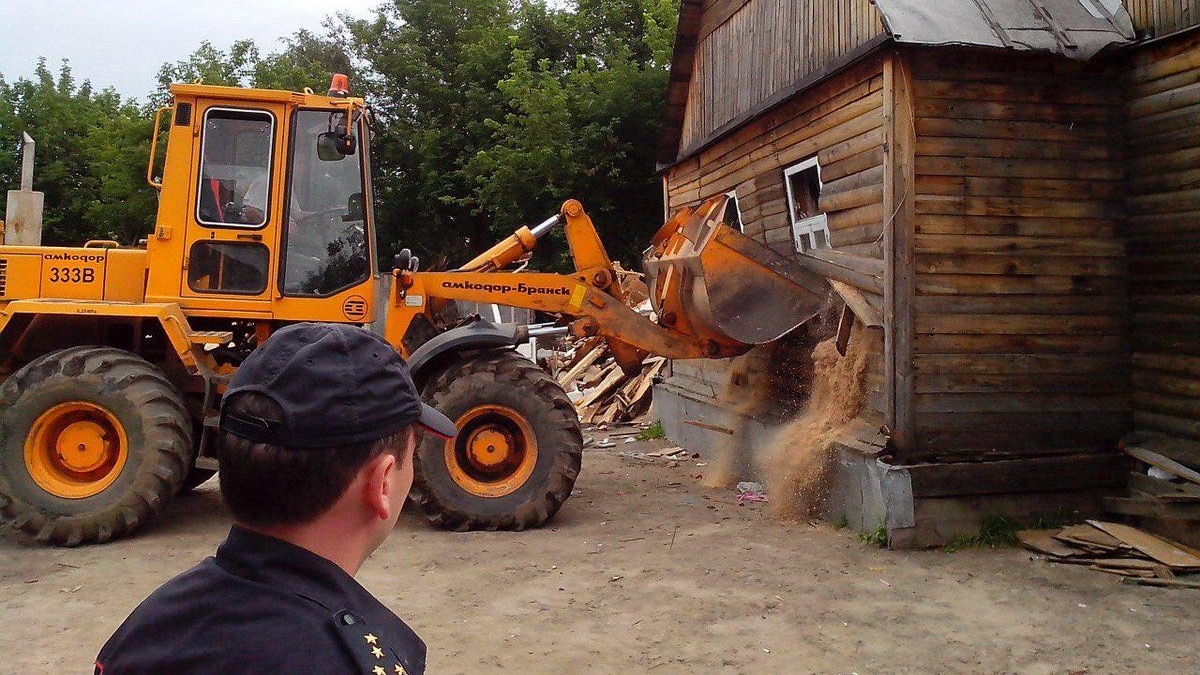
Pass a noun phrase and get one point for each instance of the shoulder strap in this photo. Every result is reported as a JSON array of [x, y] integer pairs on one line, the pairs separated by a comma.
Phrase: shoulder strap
[[368, 650]]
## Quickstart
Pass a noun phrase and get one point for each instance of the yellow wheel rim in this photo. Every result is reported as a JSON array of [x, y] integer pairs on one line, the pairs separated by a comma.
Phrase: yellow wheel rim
[[494, 453], [76, 450]]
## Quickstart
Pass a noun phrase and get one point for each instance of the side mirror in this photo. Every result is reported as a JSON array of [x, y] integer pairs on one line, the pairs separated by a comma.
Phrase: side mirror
[[354, 208], [402, 259], [333, 146], [405, 260]]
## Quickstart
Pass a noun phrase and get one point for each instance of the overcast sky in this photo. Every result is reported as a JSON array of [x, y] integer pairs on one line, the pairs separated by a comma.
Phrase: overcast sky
[[122, 43]]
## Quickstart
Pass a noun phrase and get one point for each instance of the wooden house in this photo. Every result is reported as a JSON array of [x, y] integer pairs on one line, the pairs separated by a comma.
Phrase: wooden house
[[1012, 187]]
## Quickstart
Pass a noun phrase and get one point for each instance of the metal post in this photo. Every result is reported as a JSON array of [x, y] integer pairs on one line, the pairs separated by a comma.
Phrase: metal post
[[27, 147], [23, 214]]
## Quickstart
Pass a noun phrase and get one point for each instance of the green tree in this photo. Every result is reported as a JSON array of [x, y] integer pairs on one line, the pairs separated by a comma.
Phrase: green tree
[[585, 126], [91, 156], [493, 113], [306, 60], [210, 65], [433, 71]]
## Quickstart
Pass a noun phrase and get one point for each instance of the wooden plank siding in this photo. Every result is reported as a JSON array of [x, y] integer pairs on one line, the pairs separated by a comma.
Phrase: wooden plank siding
[[1163, 145], [1020, 312], [840, 122], [749, 50], [1163, 17]]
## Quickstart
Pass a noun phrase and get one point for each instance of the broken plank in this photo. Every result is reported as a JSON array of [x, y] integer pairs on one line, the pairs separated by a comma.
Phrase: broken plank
[[581, 365], [647, 381], [1089, 535], [1127, 573], [1166, 464], [1166, 583], [1128, 563], [1160, 549], [1043, 541], [1163, 488], [1152, 508]]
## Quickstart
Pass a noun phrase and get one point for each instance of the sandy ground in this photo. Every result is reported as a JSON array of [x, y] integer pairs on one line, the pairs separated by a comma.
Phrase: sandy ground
[[645, 570]]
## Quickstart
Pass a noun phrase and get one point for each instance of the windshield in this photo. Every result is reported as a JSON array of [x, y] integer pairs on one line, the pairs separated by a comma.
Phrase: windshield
[[325, 240]]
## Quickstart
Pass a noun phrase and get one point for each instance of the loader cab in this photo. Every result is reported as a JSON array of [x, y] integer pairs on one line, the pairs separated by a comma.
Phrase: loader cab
[[265, 199]]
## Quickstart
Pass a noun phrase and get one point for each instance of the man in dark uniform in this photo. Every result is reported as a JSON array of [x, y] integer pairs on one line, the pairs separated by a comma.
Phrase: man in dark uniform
[[318, 429]]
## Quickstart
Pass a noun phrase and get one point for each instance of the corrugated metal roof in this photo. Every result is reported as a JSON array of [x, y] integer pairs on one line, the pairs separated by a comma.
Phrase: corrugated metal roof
[[1074, 28]]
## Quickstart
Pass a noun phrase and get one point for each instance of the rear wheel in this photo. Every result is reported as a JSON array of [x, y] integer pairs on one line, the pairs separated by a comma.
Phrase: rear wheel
[[517, 453], [93, 442]]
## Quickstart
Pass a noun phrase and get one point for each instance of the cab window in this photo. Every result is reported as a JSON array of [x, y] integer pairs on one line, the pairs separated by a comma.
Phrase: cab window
[[325, 243], [235, 161], [228, 267]]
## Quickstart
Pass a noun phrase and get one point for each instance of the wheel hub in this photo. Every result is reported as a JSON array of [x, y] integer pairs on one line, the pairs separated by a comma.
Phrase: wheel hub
[[494, 453], [83, 446], [489, 448], [76, 450]]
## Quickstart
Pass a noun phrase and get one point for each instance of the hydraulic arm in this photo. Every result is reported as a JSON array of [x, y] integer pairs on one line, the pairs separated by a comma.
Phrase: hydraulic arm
[[755, 296]]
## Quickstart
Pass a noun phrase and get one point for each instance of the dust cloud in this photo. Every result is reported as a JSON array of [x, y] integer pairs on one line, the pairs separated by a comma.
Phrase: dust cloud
[[745, 394], [798, 460]]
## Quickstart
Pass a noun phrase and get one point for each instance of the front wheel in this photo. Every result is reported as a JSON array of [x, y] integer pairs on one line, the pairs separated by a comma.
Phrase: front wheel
[[517, 453], [93, 442]]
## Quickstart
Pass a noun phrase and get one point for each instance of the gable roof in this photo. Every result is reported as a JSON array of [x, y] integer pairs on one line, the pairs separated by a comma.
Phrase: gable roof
[[1077, 29]]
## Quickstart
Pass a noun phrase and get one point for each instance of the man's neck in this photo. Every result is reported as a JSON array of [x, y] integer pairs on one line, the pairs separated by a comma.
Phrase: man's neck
[[320, 539]]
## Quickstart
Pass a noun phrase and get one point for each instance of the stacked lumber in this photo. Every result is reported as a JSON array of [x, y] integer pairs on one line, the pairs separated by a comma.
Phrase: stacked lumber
[[1160, 488], [1113, 548], [586, 370], [601, 391]]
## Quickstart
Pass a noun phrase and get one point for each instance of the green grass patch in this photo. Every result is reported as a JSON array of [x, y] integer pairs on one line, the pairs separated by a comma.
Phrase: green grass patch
[[994, 532], [878, 536], [652, 432]]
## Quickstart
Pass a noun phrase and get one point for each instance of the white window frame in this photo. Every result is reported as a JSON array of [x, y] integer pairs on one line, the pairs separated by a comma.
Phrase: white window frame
[[812, 232]]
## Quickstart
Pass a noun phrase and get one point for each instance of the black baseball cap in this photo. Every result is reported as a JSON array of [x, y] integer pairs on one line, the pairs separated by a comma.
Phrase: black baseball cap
[[336, 385]]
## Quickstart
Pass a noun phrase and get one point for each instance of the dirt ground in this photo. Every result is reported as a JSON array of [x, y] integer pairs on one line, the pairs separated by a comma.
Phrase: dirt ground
[[645, 570]]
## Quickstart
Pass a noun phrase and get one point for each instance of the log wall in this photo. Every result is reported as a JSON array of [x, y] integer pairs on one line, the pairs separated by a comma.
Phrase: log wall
[[1163, 142], [1020, 301], [841, 122], [1164, 17], [750, 50]]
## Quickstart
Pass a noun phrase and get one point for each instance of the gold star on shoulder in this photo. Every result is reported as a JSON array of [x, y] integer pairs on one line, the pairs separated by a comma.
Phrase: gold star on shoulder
[[378, 671], [371, 639], [377, 652], [400, 670]]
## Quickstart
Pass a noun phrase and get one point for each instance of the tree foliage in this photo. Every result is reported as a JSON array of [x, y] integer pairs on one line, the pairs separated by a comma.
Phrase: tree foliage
[[494, 113], [489, 114], [90, 160]]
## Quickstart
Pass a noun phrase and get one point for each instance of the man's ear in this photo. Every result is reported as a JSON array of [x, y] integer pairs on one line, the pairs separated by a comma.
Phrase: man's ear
[[379, 485]]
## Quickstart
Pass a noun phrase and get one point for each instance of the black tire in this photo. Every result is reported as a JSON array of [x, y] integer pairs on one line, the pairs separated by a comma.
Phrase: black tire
[[500, 380], [157, 444]]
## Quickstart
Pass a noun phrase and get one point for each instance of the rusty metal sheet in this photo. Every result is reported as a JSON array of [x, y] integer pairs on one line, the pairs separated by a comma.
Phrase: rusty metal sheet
[[1077, 29]]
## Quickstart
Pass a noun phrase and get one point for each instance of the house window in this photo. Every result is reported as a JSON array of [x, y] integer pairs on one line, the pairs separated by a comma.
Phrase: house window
[[733, 213], [810, 228]]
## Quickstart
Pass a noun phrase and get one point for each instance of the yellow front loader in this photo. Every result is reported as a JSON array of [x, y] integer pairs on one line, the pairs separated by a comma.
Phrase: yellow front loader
[[113, 359]]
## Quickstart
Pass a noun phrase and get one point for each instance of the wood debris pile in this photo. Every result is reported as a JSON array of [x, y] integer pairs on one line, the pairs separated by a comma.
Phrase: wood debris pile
[[1116, 549], [1165, 488], [671, 456], [601, 392]]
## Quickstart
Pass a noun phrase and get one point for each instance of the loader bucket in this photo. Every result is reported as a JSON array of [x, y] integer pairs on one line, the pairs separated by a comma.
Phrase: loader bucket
[[709, 280]]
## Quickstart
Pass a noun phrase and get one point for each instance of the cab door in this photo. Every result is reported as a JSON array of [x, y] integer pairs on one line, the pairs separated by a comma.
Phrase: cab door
[[235, 214], [327, 267]]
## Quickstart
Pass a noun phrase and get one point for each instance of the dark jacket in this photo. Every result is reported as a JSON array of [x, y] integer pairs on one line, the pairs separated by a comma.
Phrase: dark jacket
[[262, 605]]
